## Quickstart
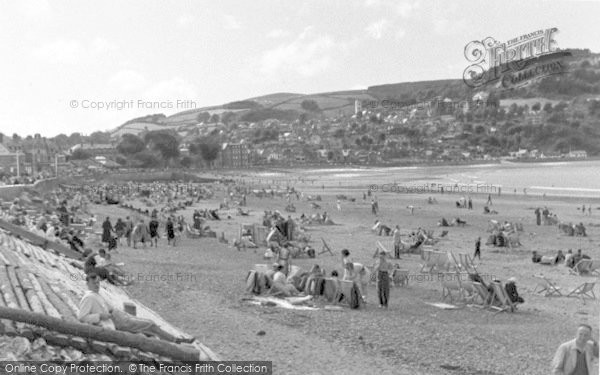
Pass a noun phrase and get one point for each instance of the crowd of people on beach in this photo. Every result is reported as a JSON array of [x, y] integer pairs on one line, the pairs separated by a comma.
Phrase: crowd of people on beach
[[64, 215]]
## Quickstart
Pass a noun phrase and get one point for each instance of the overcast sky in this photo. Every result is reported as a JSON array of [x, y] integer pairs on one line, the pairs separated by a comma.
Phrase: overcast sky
[[62, 54]]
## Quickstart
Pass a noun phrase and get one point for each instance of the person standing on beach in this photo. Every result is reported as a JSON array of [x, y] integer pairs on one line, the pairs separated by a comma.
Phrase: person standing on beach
[[470, 203], [397, 242], [373, 207], [489, 201], [382, 269], [576, 357], [477, 249], [339, 205], [170, 231], [538, 216], [153, 228], [128, 230], [107, 230]]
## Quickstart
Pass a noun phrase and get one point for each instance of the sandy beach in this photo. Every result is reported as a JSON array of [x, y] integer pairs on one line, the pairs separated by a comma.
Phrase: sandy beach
[[204, 290]]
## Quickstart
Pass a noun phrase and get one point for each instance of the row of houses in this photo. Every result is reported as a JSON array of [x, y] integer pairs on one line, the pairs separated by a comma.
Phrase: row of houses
[[29, 156], [37, 154]]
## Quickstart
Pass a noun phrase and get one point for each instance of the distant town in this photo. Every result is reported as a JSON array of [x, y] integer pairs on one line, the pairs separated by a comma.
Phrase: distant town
[[441, 130]]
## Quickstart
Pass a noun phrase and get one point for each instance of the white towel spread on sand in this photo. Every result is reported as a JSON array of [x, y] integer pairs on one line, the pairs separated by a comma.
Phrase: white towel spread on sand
[[288, 303], [442, 305]]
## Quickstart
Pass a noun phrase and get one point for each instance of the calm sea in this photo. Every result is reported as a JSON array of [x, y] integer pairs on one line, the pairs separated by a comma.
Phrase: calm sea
[[581, 178]]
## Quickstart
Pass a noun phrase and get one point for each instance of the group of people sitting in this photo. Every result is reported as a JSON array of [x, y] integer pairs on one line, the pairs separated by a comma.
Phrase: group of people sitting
[[456, 222], [569, 258], [577, 230]]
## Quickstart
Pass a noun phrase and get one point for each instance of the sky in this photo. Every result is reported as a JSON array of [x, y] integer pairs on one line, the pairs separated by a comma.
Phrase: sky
[[81, 66]]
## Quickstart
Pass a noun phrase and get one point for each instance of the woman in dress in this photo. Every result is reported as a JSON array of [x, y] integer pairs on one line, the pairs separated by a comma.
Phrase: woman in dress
[[107, 229]]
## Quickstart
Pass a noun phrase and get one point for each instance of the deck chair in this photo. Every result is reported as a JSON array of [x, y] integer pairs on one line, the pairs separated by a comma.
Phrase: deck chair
[[584, 290], [325, 248], [582, 267], [467, 263], [455, 262], [457, 282], [499, 294], [430, 262], [595, 267], [547, 286], [482, 293]]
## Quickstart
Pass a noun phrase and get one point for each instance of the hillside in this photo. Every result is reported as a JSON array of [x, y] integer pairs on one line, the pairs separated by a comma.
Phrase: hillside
[[581, 80]]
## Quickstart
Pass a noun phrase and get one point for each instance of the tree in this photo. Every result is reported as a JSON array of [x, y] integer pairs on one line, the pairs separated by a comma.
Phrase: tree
[[80, 154], [16, 137], [61, 140], [99, 137], [214, 118], [302, 118], [166, 144], [147, 159], [536, 106], [207, 147], [548, 107], [130, 144], [186, 161], [75, 138], [227, 117], [310, 105], [203, 117]]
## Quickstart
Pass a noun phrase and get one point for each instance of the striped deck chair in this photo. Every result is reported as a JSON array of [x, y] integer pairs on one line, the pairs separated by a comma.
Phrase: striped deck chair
[[500, 297], [582, 267], [583, 291], [547, 286]]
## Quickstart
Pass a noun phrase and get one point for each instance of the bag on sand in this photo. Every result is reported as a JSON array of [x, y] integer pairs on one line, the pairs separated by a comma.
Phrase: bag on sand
[[354, 298]]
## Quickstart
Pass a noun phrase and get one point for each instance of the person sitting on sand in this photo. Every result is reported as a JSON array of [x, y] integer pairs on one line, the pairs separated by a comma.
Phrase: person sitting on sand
[[535, 257], [559, 257], [94, 309], [580, 230], [280, 284], [459, 222], [569, 259]]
